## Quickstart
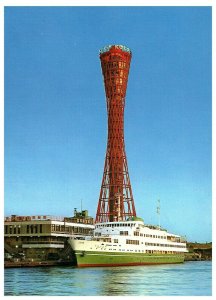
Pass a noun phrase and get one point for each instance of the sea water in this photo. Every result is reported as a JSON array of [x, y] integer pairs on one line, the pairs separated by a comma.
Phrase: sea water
[[188, 279]]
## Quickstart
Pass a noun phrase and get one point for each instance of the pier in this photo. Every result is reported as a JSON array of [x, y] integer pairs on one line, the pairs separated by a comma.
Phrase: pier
[[31, 241], [199, 251]]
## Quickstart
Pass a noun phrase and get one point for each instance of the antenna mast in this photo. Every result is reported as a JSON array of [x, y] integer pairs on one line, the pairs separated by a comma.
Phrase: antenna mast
[[158, 212]]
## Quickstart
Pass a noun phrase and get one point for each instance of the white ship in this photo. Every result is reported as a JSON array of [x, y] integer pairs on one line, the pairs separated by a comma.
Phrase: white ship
[[125, 243]]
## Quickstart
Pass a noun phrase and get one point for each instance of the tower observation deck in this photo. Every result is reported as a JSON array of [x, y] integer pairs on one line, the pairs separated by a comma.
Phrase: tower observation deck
[[116, 199]]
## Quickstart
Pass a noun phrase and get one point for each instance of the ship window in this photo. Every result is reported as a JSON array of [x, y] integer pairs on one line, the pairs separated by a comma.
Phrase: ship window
[[132, 242]]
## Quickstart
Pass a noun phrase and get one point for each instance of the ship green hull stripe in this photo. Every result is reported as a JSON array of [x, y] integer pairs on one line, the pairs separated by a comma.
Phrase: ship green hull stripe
[[85, 259], [131, 254]]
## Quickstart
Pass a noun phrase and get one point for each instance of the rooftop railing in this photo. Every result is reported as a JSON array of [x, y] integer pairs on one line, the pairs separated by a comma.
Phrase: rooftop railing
[[108, 47], [33, 218]]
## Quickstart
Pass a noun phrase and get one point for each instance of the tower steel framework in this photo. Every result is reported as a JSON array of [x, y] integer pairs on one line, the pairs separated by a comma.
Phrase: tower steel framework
[[116, 199]]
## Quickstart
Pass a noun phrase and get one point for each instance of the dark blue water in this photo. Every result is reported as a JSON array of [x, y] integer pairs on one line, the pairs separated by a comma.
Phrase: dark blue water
[[188, 279]]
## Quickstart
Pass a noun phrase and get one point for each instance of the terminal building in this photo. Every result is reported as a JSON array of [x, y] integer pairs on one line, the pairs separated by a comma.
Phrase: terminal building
[[44, 238]]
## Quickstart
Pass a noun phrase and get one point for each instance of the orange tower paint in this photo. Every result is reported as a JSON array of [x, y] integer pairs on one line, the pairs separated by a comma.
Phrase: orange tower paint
[[116, 199]]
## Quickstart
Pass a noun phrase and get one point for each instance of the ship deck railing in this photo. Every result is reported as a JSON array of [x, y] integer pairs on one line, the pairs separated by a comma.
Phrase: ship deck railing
[[44, 242]]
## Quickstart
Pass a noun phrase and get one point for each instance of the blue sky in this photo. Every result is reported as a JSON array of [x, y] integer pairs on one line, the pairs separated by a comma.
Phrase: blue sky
[[55, 111]]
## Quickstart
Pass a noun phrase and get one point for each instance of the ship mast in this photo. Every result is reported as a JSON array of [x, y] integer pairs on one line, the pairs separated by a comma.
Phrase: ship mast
[[158, 212]]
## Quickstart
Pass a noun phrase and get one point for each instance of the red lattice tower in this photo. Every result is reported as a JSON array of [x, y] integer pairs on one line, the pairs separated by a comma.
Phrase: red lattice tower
[[116, 199]]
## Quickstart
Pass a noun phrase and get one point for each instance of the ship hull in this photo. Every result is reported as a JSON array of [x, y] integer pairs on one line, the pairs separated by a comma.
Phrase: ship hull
[[107, 259]]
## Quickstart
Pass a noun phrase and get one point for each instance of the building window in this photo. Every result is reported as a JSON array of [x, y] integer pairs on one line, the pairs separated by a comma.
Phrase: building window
[[27, 229], [41, 228], [6, 229], [123, 232], [18, 229], [14, 229]]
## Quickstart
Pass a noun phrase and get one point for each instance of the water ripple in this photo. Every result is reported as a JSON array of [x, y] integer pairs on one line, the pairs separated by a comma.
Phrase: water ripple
[[188, 279]]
